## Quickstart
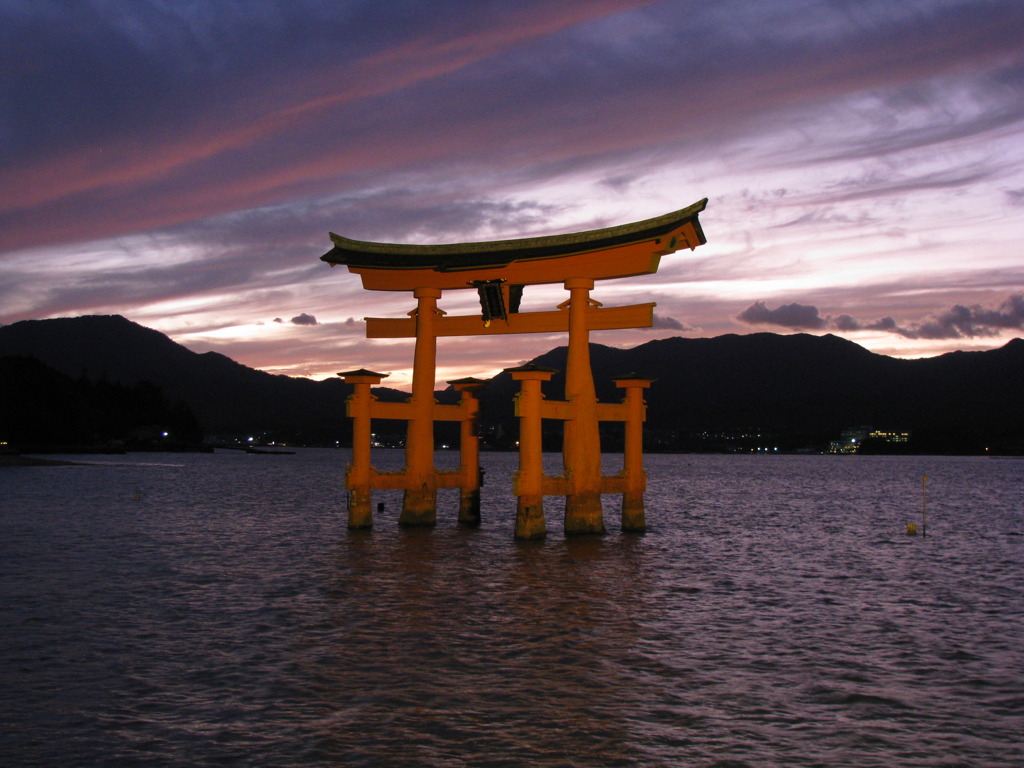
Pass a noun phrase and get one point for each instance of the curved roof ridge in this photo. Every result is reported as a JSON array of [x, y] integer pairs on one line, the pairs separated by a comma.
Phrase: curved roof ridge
[[455, 256]]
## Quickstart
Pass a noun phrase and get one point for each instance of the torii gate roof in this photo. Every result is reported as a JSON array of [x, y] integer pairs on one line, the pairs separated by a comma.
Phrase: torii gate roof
[[622, 251]]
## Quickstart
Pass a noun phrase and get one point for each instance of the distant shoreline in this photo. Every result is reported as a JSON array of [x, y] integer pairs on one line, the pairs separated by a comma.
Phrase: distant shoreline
[[17, 460]]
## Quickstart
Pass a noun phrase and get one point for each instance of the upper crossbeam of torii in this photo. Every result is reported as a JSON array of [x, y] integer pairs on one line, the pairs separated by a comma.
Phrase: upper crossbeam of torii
[[499, 271]]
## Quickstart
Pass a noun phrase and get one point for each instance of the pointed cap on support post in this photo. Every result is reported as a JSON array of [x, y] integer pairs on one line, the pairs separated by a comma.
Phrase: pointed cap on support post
[[468, 384], [362, 376], [532, 371], [632, 380]]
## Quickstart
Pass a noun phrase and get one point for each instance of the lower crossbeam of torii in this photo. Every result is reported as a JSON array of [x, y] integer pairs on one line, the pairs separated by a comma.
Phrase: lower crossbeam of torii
[[499, 271]]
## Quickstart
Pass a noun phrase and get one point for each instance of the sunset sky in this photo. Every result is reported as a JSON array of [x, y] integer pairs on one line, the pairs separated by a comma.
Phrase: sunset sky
[[181, 164]]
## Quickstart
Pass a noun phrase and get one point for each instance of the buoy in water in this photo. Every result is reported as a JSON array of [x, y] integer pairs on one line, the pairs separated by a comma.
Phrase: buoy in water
[[911, 529]]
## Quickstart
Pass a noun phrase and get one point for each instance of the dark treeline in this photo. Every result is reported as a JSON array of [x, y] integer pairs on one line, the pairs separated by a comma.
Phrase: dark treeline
[[43, 408]]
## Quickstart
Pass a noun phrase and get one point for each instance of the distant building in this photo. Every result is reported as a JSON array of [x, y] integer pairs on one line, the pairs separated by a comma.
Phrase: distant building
[[889, 437], [849, 440], [853, 439]]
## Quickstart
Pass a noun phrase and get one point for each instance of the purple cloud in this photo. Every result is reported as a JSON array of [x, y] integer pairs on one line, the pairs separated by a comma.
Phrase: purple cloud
[[788, 316], [958, 322], [664, 321], [968, 322]]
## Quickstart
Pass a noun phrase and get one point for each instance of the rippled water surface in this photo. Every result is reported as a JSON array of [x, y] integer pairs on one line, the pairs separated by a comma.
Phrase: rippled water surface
[[165, 610]]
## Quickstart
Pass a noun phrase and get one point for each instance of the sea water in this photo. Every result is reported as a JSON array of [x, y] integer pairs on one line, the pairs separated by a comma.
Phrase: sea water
[[199, 610]]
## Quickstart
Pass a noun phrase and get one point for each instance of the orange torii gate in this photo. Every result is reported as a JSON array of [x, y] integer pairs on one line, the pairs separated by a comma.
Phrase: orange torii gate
[[498, 271]]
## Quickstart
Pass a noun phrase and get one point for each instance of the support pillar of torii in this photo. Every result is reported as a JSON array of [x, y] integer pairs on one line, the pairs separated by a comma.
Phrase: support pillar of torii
[[424, 480], [499, 271], [531, 484]]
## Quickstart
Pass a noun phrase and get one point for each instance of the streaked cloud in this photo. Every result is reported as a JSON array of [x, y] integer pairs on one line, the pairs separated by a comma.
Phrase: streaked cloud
[[182, 164]]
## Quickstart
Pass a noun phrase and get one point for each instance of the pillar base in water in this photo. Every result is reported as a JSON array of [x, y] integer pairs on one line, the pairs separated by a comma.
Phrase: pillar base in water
[[419, 508], [530, 522], [469, 508], [583, 513], [633, 517], [360, 515]]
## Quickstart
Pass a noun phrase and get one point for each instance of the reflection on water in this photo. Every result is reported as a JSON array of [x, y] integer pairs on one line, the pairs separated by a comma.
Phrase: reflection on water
[[498, 655], [206, 610]]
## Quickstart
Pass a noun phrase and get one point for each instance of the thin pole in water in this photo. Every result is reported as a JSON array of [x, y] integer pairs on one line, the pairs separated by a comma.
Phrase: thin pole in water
[[924, 505]]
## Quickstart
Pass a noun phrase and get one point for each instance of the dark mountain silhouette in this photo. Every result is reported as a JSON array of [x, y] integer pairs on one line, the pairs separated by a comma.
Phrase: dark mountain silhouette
[[801, 391], [227, 397], [792, 391]]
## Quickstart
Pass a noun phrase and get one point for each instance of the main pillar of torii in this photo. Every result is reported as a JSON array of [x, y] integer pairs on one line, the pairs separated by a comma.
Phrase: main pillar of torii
[[499, 271]]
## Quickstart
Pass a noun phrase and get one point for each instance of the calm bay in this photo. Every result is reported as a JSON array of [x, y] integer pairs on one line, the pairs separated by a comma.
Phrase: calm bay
[[212, 609]]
